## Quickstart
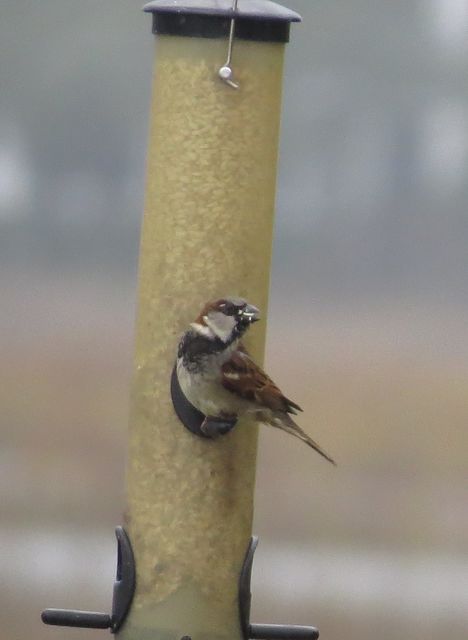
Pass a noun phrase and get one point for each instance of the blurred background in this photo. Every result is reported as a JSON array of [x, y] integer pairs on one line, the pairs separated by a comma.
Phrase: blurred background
[[368, 314]]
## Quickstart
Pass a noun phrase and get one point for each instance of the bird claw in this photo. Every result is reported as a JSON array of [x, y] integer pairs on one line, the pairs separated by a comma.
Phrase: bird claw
[[212, 427]]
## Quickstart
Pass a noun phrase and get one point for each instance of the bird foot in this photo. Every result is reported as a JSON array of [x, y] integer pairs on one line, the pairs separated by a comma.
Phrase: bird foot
[[214, 426]]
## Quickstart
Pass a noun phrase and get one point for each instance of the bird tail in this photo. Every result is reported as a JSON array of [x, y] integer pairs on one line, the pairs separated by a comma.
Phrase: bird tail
[[286, 423]]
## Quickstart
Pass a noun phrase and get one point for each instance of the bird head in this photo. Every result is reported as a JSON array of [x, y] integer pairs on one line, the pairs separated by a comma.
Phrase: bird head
[[227, 318]]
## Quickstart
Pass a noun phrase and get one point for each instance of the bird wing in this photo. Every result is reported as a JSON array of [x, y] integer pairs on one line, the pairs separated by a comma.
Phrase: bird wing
[[242, 376]]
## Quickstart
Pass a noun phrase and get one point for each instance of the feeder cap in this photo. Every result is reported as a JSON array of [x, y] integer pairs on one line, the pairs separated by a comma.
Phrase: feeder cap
[[255, 19]]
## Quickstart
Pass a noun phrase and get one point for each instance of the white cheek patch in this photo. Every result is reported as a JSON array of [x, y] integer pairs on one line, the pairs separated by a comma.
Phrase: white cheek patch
[[202, 329], [221, 325]]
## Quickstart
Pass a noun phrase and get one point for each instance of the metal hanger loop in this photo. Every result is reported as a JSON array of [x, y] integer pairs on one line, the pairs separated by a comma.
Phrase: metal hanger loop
[[225, 72]]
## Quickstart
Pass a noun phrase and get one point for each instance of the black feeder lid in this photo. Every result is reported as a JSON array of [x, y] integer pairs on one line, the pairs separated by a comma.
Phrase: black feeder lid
[[259, 20]]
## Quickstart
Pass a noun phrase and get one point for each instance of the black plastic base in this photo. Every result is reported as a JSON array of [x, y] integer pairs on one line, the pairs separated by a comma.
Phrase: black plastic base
[[124, 588]]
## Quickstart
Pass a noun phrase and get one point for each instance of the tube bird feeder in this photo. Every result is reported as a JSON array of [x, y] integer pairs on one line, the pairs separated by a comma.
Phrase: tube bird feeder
[[207, 233]]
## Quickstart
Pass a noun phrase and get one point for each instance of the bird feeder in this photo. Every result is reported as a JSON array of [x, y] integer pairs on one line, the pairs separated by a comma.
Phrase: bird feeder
[[207, 233]]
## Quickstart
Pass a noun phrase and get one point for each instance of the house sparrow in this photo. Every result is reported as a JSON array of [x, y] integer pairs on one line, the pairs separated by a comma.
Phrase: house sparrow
[[219, 378]]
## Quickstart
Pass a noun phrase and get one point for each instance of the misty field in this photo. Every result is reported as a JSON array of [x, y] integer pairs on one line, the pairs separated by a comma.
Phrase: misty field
[[378, 544]]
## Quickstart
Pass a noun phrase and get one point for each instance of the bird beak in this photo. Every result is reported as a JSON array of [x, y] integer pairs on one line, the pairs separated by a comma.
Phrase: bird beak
[[250, 313]]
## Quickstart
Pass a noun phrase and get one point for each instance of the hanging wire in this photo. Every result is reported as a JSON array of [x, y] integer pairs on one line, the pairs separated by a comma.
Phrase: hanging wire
[[225, 72]]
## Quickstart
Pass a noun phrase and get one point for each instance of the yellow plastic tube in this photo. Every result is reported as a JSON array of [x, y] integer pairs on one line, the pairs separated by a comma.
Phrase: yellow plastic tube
[[207, 233]]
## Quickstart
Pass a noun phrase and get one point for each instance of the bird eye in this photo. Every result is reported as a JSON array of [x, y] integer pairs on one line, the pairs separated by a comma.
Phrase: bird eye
[[231, 309]]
